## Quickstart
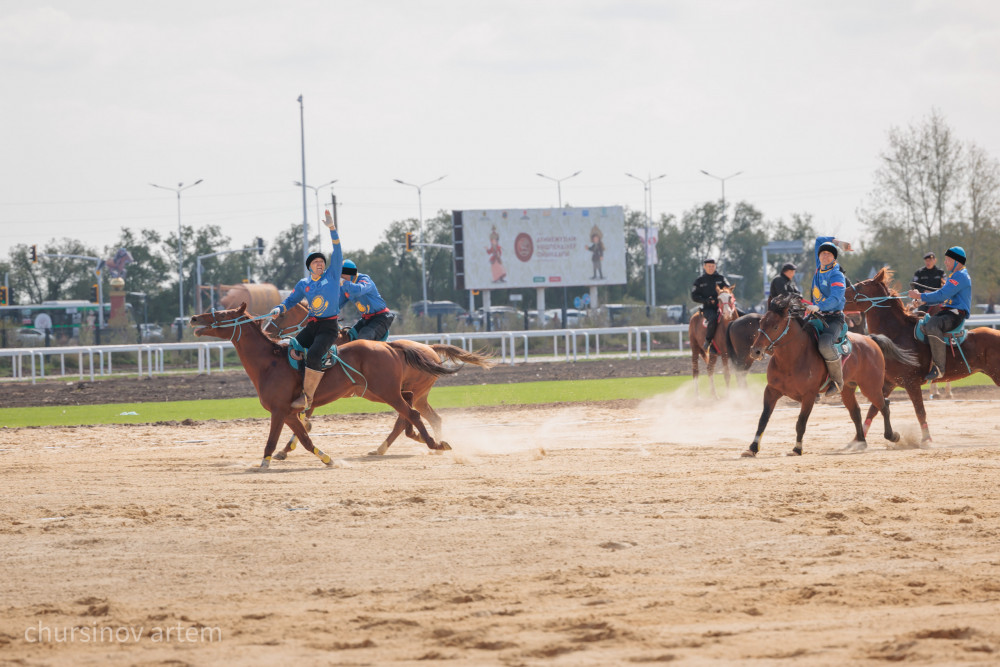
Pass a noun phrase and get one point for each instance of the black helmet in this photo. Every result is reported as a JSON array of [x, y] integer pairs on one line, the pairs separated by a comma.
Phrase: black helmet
[[829, 247], [315, 255], [789, 267]]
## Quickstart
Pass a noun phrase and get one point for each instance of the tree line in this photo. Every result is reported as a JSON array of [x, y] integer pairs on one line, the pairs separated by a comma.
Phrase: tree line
[[931, 191]]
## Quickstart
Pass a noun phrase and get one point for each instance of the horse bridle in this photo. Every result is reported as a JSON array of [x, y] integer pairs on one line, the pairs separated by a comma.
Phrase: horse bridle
[[872, 301], [761, 332]]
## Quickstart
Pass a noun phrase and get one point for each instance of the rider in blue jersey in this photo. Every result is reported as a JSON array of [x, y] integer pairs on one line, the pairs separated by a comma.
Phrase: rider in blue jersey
[[955, 299], [359, 289], [320, 292], [828, 288]]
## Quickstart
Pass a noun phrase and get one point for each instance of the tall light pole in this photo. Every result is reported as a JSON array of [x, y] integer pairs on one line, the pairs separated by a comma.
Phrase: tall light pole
[[723, 181], [423, 241], [305, 215], [559, 183], [647, 205], [180, 251], [319, 221]]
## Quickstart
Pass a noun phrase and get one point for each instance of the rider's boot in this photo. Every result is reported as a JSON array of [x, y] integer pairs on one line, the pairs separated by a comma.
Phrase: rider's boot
[[309, 384], [836, 377], [939, 353]]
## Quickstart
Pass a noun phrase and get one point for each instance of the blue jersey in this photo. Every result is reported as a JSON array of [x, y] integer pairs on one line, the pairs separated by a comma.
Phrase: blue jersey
[[956, 292], [320, 295], [364, 295], [828, 284]]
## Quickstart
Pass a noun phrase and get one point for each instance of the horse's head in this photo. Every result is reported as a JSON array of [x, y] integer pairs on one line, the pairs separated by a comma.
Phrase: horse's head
[[727, 303], [289, 322], [775, 323], [218, 323]]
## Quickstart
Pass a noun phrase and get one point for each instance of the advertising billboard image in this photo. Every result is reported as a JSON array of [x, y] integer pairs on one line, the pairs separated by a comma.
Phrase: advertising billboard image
[[520, 248]]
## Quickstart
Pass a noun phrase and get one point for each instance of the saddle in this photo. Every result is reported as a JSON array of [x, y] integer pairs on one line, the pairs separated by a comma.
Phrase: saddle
[[842, 344], [329, 359], [954, 337]]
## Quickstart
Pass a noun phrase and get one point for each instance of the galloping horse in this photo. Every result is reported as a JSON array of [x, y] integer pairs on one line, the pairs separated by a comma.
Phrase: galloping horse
[[884, 310], [696, 336], [416, 385], [376, 371], [797, 370]]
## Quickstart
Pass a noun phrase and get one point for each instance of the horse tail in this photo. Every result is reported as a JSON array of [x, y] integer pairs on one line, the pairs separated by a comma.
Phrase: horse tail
[[417, 359], [453, 353], [892, 351]]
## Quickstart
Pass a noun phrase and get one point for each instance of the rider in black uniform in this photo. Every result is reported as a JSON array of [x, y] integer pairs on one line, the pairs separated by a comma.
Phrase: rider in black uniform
[[784, 283], [706, 292], [927, 279]]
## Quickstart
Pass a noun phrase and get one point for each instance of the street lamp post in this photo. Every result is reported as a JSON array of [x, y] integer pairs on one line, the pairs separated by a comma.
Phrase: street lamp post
[[559, 193], [723, 181], [316, 189], [559, 183], [180, 250], [647, 205], [423, 241]]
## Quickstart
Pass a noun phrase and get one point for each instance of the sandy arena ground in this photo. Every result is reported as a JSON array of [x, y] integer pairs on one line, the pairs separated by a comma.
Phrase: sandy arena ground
[[610, 534]]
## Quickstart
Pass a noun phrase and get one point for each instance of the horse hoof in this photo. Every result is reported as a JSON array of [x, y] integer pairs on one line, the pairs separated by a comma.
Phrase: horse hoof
[[795, 452], [444, 446], [280, 456], [748, 454], [896, 437]]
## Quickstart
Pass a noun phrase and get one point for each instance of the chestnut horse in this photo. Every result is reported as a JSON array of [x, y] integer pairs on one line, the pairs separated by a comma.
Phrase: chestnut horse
[[416, 385], [797, 370], [373, 370], [696, 337], [884, 310]]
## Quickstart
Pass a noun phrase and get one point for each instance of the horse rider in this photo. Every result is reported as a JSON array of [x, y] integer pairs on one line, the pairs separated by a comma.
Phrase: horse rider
[[828, 288], [360, 289], [706, 292], [784, 283], [955, 297], [320, 290], [929, 278]]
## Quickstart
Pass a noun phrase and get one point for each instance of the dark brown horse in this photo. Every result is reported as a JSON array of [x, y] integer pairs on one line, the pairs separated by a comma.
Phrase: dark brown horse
[[374, 371], [797, 370], [739, 339], [696, 337], [416, 385], [883, 308]]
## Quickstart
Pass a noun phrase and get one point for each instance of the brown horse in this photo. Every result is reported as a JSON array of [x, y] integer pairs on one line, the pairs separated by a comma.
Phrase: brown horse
[[696, 335], [797, 370], [373, 370], [885, 313], [416, 385]]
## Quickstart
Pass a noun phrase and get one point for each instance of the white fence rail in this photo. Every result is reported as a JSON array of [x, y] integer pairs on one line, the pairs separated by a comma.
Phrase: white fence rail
[[97, 360]]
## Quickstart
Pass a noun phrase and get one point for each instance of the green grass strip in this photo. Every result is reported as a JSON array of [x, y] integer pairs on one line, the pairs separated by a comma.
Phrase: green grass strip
[[523, 393]]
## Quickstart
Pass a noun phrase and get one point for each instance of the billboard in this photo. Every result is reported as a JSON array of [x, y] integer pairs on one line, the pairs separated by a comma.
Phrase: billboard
[[542, 247]]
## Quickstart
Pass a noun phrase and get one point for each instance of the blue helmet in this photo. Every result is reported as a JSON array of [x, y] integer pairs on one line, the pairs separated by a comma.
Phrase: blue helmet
[[957, 253], [349, 268]]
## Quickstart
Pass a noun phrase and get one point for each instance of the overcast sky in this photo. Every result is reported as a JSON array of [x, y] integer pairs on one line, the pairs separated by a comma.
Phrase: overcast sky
[[102, 98]]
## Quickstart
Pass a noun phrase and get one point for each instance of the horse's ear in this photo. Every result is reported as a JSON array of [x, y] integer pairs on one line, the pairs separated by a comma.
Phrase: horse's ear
[[242, 309]]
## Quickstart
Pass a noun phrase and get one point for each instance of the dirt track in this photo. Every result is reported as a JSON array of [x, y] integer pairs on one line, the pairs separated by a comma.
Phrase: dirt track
[[618, 533]]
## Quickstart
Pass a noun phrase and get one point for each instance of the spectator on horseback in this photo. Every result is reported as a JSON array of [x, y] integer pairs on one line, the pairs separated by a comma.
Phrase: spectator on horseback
[[320, 292], [927, 279], [955, 298], [706, 292], [784, 283], [828, 288], [359, 289]]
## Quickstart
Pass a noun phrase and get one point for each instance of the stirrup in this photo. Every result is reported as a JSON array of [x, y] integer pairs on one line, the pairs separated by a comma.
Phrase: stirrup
[[833, 389], [935, 373]]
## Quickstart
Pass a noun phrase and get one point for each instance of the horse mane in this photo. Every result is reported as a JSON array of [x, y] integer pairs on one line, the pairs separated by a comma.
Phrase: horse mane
[[885, 277]]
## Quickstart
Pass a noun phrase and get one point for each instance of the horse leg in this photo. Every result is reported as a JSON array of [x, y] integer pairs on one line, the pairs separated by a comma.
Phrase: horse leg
[[771, 396], [851, 403], [916, 395], [272, 438], [397, 428], [887, 388], [694, 366], [407, 412], [712, 358], [880, 400], [290, 445], [800, 424], [299, 429], [725, 369]]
